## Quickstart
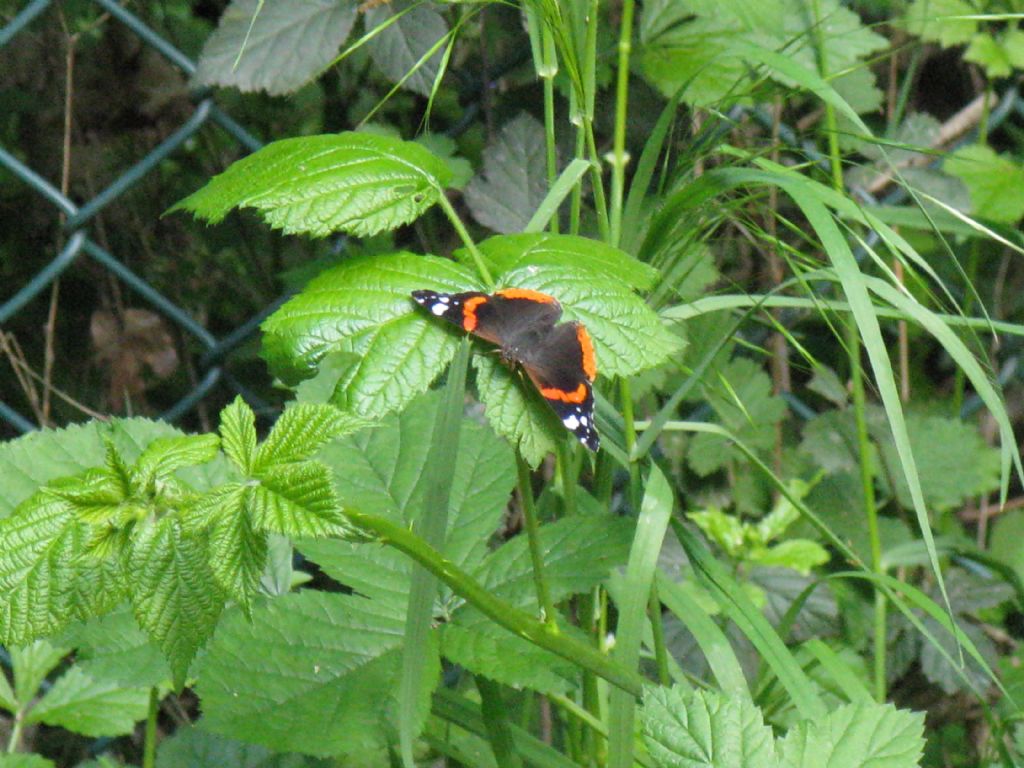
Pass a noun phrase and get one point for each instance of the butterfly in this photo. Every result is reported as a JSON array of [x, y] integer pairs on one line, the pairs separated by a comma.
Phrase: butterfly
[[557, 357]]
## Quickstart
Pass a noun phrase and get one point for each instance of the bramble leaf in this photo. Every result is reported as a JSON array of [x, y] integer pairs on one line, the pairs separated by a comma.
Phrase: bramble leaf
[[363, 307], [191, 746], [296, 500], [358, 183], [275, 47], [399, 47], [936, 21], [300, 432], [238, 553], [84, 704], [513, 181], [165, 455], [173, 593], [995, 182], [238, 434]]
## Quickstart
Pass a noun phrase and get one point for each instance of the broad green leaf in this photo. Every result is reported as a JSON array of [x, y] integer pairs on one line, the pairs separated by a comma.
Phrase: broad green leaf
[[363, 307], [398, 48], [341, 656], [276, 47], [578, 554], [989, 53], [856, 736], [173, 592], [113, 647], [296, 500], [37, 458], [704, 729], [238, 553], [513, 181], [935, 21], [25, 761], [94, 707], [8, 700], [995, 182], [800, 555], [31, 664], [725, 530], [191, 747], [628, 336], [506, 254], [166, 455], [238, 434], [40, 546], [357, 183], [514, 411], [300, 432]]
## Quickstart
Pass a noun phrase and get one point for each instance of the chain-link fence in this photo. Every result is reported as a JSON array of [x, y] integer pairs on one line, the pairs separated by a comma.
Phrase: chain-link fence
[[78, 219]]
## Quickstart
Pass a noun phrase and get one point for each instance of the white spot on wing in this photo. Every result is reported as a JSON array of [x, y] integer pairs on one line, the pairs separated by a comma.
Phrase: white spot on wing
[[584, 421], [571, 422], [439, 309]]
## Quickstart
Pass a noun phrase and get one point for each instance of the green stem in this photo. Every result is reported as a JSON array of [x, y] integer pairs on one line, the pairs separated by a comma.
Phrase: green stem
[[619, 158], [494, 710], [658, 630], [149, 746], [501, 612], [478, 259], [635, 485], [15, 741], [547, 71], [536, 551]]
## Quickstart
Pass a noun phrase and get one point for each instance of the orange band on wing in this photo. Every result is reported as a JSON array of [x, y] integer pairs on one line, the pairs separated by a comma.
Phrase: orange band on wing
[[589, 361], [469, 320], [578, 395], [525, 293]]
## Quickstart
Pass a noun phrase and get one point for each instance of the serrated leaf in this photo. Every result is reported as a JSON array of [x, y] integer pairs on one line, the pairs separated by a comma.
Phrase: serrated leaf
[[296, 500], [856, 736], [363, 307], [399, 47], [505, 254], [8, 701], [24, 761], [238, 434], [578, 554], [995, 182], [301, 431], [276, 47], [93, 707], [31, 664], [989, 53], [39, 546], [166, 455], [704, 729], [513, 180], [113, 647], [341, 656], [513, 412], [238, 554], [192, 747], [628, 336], [931, 20], [800, 555], [358, 183], [173, 593]]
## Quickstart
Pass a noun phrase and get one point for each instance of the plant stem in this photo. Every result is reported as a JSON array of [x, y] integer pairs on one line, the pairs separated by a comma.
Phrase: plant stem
[[478, 259], [503, 613], [149, 746], [15, 741], [658, 630], [536, 551], [619, 158]]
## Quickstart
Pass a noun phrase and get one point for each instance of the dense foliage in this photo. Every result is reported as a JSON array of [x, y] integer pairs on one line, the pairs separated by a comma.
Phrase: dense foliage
[[796, 257]]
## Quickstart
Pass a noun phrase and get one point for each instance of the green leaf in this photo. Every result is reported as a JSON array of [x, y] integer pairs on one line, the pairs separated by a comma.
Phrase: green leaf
[[173, 593], [800, 555], [342, 657], [8, 700], [725, 530], [397, 49], [698, 729], [513, 182], [505, 254], [238, 554], [166, 455], [515, 412], [93, 707], [990, 54], [856, 736], [363, 307], [301, 431], [31, 664], [24, 761], [238, 434], [628, 336], [296, 500], [930, 20], [191, 747], [357, 183], [276, 47], [113, 647], [995, 182], [40, 544]]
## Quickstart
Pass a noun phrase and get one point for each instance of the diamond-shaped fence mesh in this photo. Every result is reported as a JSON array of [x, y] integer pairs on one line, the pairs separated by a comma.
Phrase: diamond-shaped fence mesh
[[75, 222]]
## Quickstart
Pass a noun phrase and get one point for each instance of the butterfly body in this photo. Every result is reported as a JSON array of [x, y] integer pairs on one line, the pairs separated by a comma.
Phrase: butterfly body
[[557, 357]]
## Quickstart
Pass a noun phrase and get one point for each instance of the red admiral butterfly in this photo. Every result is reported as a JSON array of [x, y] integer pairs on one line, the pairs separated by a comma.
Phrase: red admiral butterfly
[[559, 359]]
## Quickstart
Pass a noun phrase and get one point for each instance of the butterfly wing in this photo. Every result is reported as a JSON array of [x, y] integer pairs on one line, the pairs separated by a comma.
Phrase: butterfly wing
[[506, 317], [563, 368]]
